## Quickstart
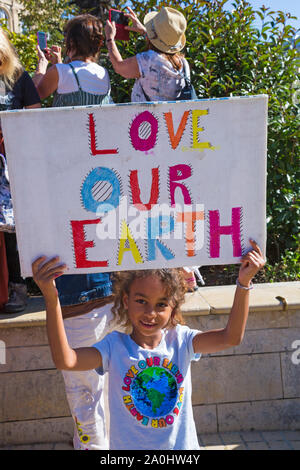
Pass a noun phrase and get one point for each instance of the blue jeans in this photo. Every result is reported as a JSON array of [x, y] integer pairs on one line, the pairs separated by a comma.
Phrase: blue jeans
[[80, 288]]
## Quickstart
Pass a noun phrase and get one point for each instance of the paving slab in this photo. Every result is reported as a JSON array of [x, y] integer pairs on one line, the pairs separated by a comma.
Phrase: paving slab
[[250, 440]]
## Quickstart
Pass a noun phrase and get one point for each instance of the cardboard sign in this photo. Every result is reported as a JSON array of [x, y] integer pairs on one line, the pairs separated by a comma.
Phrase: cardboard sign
[[138, 186]]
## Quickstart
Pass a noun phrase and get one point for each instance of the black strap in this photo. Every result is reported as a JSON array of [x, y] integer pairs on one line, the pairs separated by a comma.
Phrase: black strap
[[75, 75], [146, 96]]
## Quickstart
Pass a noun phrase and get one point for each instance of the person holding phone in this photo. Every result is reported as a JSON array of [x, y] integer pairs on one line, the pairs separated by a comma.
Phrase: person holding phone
[[159, 70], [85, 298], [82, 80], [18, 91]]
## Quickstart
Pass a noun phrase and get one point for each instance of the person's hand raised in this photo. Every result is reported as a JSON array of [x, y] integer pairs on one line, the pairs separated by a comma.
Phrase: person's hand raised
[[45, 272], [136, 25], [251, 263]]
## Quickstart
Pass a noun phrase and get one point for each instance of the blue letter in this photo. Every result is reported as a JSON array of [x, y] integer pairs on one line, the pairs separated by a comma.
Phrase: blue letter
[[108, 193], [155, 230]]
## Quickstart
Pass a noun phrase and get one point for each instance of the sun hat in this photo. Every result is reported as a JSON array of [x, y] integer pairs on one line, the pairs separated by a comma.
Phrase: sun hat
[[165, 29]]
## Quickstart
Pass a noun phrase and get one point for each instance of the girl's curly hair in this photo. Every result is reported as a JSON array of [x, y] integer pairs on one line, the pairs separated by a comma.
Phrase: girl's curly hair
[[84, 34], [172, 279]]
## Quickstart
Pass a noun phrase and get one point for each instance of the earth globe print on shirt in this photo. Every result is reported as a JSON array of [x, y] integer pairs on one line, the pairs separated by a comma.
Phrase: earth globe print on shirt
[[154, 391]]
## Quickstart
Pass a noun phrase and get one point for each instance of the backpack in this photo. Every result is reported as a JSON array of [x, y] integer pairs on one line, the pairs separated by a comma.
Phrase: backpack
[[188, 92]]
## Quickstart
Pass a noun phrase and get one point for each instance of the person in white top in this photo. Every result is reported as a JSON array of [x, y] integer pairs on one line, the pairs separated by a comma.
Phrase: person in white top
[[158, 71], [83, 41], [93, 77]]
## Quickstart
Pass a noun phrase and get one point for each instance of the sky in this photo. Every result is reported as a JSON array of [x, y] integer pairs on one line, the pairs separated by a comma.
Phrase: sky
[[287, 6]]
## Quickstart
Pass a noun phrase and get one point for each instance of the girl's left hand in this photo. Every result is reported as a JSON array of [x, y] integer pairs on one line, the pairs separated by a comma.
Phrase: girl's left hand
[[252, 262], [110, 30]]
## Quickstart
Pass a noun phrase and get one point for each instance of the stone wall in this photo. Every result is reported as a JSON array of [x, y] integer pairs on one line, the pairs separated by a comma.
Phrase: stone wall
[[255, 386]]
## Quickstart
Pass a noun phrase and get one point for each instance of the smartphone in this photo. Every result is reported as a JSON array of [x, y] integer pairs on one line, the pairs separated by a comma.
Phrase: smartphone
[[42, 40], [121, 21]]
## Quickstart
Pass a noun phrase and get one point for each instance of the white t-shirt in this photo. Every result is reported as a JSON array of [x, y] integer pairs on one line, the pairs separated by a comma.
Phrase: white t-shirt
[[159, 80], [92, 78], [150, 391]]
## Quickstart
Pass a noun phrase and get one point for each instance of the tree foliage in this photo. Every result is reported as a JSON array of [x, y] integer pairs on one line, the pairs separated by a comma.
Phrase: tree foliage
[[230, 54], [95, 7], [46, 15]]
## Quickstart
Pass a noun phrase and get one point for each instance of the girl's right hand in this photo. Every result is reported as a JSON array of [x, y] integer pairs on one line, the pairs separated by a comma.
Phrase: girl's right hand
[[45, 272]]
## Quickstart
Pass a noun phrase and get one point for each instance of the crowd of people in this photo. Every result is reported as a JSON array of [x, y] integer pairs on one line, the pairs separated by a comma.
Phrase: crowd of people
[[127, 320]]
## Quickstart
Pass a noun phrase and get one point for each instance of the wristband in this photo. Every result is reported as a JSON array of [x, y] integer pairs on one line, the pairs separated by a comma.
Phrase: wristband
[[109, 40], [243, 287]]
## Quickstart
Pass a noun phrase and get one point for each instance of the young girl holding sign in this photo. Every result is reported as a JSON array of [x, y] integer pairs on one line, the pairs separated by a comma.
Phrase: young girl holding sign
[[149, 370]]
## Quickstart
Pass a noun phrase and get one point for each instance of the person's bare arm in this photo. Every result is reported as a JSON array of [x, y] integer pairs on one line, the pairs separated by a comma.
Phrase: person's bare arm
[[64, 357], [33, 106], [232, 335], [127, 68], [45, 80]]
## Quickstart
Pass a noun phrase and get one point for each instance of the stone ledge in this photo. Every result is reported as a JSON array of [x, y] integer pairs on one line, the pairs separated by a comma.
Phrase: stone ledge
[[264, 297], [279, 296], [33, 315]]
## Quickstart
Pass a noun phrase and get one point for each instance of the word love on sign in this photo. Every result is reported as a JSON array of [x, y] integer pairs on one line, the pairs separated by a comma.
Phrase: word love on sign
[[137, 186]]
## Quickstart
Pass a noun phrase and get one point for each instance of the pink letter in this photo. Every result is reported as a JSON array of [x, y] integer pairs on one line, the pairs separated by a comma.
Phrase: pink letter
[[216, 230], [140, 143]]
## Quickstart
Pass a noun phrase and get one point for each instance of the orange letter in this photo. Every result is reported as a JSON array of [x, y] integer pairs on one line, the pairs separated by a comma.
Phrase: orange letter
[[190, 218], [175, 139]]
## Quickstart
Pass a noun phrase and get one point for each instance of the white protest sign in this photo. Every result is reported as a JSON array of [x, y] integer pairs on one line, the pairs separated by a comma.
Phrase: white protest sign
[[139, 186]]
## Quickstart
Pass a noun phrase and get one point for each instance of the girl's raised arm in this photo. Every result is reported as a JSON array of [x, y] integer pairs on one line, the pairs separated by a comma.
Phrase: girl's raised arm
[[232, 335], [64, 357]]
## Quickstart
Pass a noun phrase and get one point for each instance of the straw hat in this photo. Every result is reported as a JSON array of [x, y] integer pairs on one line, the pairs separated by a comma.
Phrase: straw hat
[[165, 29]]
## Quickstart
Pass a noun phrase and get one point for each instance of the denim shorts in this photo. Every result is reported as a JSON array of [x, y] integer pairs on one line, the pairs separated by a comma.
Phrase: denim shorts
[[80, 288]]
